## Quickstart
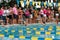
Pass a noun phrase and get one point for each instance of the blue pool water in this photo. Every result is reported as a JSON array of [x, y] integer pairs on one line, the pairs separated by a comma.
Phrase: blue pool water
[[30, 32]]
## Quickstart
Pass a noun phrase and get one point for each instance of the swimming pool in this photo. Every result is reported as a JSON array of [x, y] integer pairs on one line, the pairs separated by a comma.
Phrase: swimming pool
[[30, 32]]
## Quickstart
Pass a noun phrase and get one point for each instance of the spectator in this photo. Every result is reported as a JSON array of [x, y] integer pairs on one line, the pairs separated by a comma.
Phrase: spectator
[[15, 15], [27, 15], [57, 20], [1, 13], [20, 16], [5, 15], [10, 15]]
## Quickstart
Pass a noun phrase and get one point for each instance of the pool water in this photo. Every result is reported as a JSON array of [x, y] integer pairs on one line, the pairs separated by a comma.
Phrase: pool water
[[31, 32]]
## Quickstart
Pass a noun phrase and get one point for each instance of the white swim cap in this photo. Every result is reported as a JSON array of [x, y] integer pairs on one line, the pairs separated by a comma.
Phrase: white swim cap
[[57, 14]]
